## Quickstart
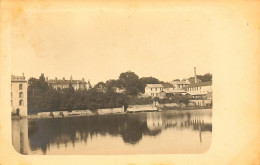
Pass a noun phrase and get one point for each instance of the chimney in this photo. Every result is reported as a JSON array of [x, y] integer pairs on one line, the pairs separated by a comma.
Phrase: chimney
[[63, 78], [56, 79], [47, 79], [23, 76], [195, 76], [83, 80]]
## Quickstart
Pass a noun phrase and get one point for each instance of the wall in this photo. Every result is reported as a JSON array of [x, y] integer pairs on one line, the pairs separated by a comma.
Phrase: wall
[[155, 91], [15, 97], [200, 90]]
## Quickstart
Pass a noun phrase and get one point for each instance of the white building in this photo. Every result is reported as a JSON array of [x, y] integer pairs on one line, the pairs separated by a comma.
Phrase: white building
[[153, 89], [180, 84], [19, 95], [201, 93], [202, 88]]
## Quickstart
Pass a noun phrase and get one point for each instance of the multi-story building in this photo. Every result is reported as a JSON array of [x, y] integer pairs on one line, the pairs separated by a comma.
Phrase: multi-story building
[[19, 95], [162, 90], [198, 89], [153, 89], [201, 93], [180, 84], [63, 83]]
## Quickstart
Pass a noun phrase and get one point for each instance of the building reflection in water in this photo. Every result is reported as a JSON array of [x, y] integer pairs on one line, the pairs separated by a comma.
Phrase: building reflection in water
[[43, 133], [20, 136]]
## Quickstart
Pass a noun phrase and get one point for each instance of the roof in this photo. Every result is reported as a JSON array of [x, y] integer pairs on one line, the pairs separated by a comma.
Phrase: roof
[[207, 83], [168, 85], [154, 85], [65, 81], [174, 91], [17, 78], [180, 82]]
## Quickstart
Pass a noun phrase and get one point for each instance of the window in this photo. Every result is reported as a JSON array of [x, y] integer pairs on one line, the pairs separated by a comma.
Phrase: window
[[20, 86], [21, 102], [155, 89], [11, 102], [151, 89], [21, 95], [11, 95]]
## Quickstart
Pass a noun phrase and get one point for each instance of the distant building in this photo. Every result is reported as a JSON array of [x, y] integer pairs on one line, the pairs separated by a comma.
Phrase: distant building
[[19, 95], [153, 89], [169, 90], [169, 93], [162, 90], [63, 83], [201, 93], [198, 89], [180, 84]]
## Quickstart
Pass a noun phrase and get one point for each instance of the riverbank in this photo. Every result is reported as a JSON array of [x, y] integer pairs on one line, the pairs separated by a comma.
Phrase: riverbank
[[186, 108], [106, 111]]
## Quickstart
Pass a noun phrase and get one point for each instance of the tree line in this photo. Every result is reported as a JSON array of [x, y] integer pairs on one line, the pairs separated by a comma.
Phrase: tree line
[[42, 97]]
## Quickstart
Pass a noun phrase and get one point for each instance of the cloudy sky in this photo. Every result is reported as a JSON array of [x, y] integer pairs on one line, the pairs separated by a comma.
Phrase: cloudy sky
[[100, 43]]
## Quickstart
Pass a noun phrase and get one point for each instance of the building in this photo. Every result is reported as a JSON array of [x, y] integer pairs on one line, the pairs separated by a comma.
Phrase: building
[[153, 89], [180, 84], [198, 89], [162, 90], [169, 93], [63, 83], [201, 93], [19, 95]]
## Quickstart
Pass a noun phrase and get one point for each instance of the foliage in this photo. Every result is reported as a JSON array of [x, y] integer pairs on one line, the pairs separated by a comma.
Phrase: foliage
[[42, 97], [203, 78]]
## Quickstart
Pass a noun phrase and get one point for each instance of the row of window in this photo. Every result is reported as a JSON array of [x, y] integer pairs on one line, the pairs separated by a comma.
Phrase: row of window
[[193, 88], [20, 95], [20, 86], [20, 102], [154, 94], [156, 89]]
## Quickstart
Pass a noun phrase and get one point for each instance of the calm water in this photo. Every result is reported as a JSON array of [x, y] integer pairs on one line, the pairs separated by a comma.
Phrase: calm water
[[140, 133]]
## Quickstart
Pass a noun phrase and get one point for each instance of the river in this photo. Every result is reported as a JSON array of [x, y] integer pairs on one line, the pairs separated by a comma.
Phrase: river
[[166, 132]]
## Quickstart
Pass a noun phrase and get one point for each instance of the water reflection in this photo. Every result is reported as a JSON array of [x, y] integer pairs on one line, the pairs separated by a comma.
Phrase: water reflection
[[20, 136], [132, 128]]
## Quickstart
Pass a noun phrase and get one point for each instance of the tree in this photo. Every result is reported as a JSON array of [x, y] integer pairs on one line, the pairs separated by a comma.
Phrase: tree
[[205, 77], [147, 80], [130, 81], [41, 96]]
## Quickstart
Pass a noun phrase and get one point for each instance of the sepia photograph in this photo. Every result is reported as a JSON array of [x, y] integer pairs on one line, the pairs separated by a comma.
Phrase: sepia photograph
[[127, 83], [121, 79]]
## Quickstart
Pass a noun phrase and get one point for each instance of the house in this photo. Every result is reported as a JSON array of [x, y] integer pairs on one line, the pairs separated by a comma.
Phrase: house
[[180, 84], [153, 89], [19, 95], [63, 83], [199, 89], [201, 93], [169, 93]]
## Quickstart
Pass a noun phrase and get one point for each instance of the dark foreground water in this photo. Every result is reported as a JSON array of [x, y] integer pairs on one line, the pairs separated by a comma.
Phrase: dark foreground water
[[166, 132]]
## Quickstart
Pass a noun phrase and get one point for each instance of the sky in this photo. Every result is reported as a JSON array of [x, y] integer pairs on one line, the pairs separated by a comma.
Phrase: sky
[[100, 43]]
